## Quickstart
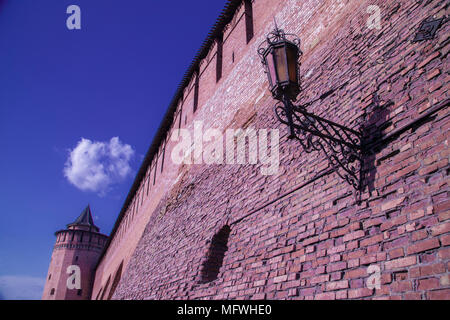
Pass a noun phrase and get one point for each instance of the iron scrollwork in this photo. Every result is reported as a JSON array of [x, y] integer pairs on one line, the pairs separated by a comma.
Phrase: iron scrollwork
[[341, 145]]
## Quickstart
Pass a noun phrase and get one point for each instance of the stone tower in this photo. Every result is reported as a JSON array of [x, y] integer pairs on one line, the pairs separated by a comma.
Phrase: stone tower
[[75, 254]]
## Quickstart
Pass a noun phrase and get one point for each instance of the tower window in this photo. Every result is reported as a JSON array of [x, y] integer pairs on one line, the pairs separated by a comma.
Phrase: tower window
[[98, 294], [197, 78], [148, 183], [219, 58], [156, 167], [249, 19], [163, 156], [106, 288], [49, 276], [216, 253], [115, 281], [52, 292], [79, 292]]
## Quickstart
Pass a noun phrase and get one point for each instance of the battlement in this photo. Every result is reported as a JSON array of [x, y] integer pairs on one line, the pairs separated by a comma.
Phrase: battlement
[[80, 239]]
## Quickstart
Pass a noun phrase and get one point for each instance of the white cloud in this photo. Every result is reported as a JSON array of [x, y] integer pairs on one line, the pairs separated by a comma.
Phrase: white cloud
[[96, 166], [21, 288]]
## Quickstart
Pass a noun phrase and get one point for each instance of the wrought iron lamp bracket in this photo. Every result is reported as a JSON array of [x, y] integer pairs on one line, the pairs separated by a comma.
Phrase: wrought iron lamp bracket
[[280, 55], [341, 145]]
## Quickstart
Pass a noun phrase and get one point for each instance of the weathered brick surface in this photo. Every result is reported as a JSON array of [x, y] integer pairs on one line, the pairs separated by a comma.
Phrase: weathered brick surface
[[317, 242]]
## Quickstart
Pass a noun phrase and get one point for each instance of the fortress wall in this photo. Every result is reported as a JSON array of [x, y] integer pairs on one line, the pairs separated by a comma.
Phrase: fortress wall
[[316, 242]]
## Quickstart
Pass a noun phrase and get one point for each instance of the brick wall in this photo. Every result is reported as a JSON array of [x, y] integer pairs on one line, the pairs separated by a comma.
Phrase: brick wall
[[316, 242]]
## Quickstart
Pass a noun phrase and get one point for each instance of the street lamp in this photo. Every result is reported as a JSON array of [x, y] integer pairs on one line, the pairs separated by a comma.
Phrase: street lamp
[[280, 54], [280, 59]]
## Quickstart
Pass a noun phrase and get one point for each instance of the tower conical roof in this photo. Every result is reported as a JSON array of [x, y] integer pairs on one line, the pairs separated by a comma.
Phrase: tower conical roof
[[85, 219]]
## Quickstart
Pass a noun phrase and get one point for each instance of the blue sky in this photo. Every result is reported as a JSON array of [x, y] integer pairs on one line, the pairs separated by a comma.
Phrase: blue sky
[[99, 91]]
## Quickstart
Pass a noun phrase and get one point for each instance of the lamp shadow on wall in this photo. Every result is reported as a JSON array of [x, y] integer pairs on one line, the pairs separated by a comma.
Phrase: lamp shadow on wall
[[375, 121]]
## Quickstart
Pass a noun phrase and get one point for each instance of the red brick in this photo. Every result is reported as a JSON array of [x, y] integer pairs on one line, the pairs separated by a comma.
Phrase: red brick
[[320, 279], [444, 280], [413, 296], [395, 253], [354, 235], [445, 240], [342, 294], [371, 240], [259, 296], [386, 278], [423, 246], [414, 272], [336, 266], [325, 296], [433, 74], [392, 203], [401, 263], [393, 222], [280, 279], [357, 273], [359, 293], [428, 59], [293, 292], [337, 285], [444, 253], [443, 294], [428, 284], [432, 269], [419, 235], [444, 215], [440, 229], [443, 207], [401, 286]]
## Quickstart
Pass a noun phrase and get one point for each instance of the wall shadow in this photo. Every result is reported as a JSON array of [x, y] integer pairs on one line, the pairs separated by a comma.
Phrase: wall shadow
[[374, 123]]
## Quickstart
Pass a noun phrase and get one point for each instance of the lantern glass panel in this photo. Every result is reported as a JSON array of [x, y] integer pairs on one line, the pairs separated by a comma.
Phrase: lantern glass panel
[[271, 70], [292, 53], [279, 55]]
